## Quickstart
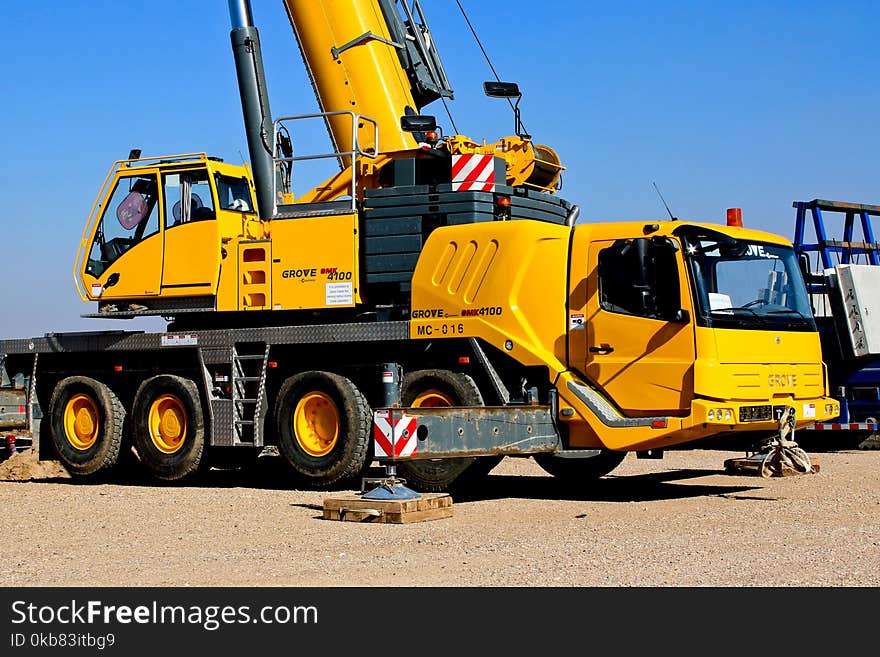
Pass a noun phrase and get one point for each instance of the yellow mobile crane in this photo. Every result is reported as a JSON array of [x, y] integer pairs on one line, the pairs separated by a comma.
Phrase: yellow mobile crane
[[433, 303]]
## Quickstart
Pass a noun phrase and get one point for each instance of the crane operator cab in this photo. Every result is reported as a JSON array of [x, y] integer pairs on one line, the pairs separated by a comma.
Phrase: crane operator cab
[[160, 230]]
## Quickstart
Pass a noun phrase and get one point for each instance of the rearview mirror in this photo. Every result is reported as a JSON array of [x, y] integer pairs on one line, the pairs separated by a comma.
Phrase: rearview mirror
[[501, 89], [418, 123]]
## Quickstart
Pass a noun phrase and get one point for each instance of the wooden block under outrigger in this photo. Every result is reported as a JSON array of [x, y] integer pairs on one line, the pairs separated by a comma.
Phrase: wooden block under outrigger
[[353, 508]]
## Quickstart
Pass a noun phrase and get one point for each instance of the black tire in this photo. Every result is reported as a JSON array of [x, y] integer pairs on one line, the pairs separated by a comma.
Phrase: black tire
[[576, 471], [317, 458], [442, 388], [171, 443], [86, 425]]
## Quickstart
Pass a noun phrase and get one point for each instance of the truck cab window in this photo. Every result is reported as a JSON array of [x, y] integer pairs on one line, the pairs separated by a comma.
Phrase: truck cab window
[[188, 197], [639, 277], [234, 193], [129, 217]]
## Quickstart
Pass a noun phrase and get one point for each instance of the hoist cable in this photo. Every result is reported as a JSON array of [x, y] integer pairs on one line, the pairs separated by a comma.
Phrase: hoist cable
[[485, 54]]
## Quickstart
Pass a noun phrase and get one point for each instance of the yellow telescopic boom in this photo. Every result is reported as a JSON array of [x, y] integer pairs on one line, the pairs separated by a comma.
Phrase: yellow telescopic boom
[[363, 56]]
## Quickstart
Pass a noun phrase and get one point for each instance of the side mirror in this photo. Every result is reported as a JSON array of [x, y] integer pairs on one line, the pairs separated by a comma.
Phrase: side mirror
[[418, 123], [501, 89], [680, 316]]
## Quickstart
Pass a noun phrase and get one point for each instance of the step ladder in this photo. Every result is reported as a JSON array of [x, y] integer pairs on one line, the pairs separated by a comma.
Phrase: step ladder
[[249, 364]]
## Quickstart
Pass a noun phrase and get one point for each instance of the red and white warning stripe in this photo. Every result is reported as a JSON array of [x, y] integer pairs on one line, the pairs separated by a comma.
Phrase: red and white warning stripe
[[853, 426], [473, 172], [398, 439]]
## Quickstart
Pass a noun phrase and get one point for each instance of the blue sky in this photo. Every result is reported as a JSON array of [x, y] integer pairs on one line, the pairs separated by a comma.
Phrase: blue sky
[[744, 104]]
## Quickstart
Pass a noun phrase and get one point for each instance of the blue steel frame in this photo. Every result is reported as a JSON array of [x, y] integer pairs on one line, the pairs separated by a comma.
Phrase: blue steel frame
[[846, 248], [864, 374]]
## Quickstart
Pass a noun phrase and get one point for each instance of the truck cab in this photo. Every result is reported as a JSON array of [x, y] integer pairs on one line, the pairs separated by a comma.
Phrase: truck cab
[[671, 307], [159, 230], [669, 331]]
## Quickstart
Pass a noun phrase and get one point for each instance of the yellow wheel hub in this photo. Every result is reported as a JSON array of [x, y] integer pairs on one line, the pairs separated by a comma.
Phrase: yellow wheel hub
[[81, 421], [167, 423], [432, 399], [316, 423]]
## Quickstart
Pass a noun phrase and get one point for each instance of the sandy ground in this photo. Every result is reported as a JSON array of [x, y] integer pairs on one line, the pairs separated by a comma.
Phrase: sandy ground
[[680, 521]]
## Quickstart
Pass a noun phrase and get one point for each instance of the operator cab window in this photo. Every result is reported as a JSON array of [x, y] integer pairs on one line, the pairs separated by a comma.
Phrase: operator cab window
[[188, 197], [642, 284], [234, 193], [129, 218]]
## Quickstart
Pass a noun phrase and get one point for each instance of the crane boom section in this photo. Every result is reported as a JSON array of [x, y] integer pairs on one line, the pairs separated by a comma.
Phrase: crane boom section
[[362, 56]]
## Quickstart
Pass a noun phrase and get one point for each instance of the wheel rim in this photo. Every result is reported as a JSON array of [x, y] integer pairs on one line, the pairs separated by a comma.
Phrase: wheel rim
[[167, 424], [432, 399], [316, 423], [81, 421]]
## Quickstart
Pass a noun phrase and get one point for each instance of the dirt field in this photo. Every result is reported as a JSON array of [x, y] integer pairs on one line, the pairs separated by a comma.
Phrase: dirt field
[[677, 522]]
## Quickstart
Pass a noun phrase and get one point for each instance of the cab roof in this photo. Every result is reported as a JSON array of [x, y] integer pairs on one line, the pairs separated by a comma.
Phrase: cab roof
[[648, 228]]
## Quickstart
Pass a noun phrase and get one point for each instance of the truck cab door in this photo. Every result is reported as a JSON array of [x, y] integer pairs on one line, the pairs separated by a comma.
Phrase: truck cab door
[[191, 262], [640, 347], [125, 257]]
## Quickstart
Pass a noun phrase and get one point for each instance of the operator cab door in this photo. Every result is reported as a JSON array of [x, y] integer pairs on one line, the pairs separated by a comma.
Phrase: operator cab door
[[125, 257], [640, 337], [192, 238]]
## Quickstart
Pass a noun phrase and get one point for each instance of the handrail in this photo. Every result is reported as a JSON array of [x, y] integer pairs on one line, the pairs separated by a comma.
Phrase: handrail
[[87, 231], [356, 152]]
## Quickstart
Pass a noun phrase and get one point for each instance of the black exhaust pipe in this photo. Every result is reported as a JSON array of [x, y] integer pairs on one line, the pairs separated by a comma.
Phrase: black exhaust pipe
[[254, 102]]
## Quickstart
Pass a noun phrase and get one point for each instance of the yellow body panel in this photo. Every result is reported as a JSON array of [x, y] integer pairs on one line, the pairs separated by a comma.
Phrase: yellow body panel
[[139, 270], [191, 261], [776, 364], [315, 263], [497, 281]]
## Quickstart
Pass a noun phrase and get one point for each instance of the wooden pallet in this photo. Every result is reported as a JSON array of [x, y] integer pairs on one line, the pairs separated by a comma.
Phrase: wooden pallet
[[353, 508]]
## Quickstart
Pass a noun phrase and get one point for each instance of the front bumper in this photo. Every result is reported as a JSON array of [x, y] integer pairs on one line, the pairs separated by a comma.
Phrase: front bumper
[[759, 416]]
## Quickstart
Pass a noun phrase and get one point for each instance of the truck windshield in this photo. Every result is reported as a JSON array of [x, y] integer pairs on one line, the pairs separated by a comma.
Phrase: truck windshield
[[744, 284]]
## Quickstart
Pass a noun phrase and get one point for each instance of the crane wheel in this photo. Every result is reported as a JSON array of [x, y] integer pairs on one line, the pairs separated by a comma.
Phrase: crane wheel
[[442, 388], [168, 426], [581, 470], [323, 424], [86, 423]]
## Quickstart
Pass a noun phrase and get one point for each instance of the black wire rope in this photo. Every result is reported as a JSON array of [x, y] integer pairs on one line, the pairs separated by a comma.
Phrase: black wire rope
[[485, 54]]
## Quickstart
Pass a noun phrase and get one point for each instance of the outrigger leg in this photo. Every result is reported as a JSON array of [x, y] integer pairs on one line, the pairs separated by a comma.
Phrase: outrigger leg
[[389, 487]]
